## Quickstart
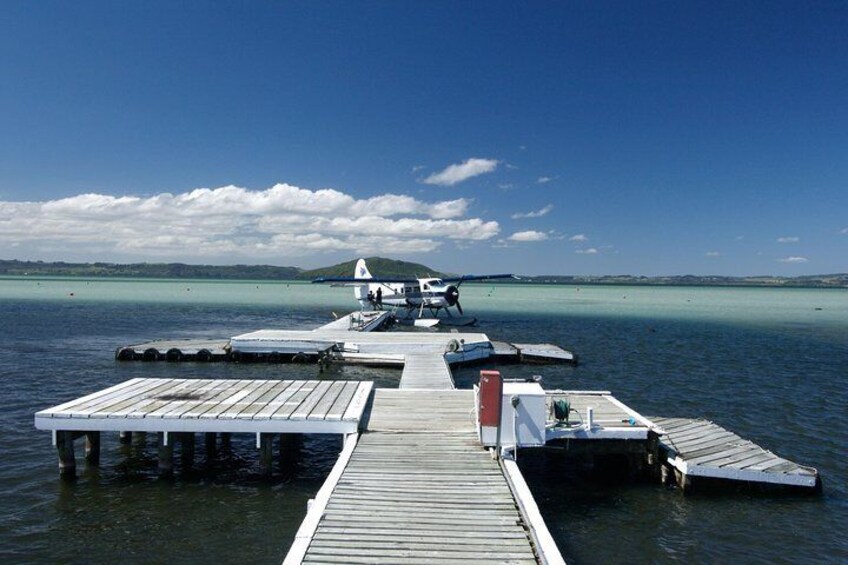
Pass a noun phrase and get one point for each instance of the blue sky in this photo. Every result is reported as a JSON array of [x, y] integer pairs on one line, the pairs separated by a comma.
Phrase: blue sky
[[566, 138]]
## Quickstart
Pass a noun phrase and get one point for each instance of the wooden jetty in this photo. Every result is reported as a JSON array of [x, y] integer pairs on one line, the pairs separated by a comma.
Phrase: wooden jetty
[[360, 321], [188, 406], [426, 371], [506, 352], [353, 338], [419, 489], [700, 448]]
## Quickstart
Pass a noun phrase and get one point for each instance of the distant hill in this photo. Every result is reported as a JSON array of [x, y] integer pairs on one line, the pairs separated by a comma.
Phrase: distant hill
[[378, 266], [147, 270]]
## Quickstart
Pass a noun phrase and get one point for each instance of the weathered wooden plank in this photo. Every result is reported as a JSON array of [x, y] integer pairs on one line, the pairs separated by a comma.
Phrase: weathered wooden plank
[[252, 399], [338, 408], [134, 403], [273, 401], [311, 401], [319, 412], [55, 411], [104, 403]]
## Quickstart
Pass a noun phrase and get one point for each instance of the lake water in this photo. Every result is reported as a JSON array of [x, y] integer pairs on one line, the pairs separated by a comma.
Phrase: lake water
[[769, 364]]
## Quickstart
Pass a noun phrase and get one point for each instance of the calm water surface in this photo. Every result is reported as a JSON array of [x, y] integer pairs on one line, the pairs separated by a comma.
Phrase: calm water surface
[[770, 364]]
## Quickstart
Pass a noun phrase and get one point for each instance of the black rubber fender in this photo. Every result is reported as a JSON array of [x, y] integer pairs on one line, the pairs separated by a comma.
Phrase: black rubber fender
[[204, 356], [173, 355], [125, 354], [150, 354]]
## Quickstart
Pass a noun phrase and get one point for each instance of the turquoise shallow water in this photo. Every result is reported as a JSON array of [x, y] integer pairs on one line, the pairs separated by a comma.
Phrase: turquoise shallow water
[[766, 363]]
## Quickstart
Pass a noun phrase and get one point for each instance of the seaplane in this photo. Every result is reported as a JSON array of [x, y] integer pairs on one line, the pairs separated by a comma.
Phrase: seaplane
[[413, 297]]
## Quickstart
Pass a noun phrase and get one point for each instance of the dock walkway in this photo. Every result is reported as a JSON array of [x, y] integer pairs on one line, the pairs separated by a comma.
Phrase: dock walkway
[[428, 371], [416, 487], [700, 448]]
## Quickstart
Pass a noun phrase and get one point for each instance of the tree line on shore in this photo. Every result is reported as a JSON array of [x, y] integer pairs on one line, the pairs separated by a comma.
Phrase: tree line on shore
[[384, 268]]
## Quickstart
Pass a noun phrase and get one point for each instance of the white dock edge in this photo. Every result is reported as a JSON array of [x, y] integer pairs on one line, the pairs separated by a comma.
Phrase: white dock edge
[[546, 548], [318, 505]]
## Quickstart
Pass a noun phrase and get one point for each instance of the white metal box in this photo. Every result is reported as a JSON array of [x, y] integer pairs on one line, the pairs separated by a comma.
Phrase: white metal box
[[527, 419]]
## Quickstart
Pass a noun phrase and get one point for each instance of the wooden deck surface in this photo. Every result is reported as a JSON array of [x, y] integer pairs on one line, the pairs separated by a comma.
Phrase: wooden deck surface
[[394, 410], [419, 489], [700, 448], [428, 371], [225, 405]]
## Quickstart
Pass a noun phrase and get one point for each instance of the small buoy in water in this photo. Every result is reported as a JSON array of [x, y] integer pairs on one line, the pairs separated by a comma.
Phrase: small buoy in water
[[188, 290], [817, 308], [70, 294]]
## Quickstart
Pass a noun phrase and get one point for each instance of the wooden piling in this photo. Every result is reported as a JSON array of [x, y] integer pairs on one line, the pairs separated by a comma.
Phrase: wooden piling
[[266, 453], [187, 450], [92, 448], [65, 449], [211, 446], [125, 438], [166, 456], [226, 441]]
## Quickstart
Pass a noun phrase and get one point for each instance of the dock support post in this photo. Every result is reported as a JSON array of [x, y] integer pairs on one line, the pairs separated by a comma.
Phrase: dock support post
[[140, 439], [683, 481], [211, 446], [65, 449], [289, 445], [266, 453], [125, 438], [166, 456], [665, 478], [226, 444], [92, 448], [187, 450]]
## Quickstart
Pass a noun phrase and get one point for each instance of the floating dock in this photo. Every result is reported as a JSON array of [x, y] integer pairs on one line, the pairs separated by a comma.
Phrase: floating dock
[[353, 338], [700, 448]]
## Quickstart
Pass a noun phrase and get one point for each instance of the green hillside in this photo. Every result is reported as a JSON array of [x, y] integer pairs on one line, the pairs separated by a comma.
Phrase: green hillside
[[378, 266], [147, 270]]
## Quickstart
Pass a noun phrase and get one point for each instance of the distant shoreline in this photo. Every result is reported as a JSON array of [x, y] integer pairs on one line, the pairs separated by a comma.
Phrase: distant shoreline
[[35, 270]]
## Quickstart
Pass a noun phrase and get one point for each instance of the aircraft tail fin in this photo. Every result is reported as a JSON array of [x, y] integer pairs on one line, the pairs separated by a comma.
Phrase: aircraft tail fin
[[361, 271]]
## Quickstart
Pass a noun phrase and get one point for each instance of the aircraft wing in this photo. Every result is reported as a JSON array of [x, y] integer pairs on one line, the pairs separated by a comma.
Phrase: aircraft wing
[[355, 281], [464, 278]]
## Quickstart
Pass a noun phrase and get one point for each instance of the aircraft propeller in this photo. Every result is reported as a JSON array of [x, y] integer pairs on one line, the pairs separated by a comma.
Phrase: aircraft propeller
[[452, 297]]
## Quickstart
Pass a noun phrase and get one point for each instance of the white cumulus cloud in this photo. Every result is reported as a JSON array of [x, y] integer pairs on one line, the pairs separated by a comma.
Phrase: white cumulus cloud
[[535, 214], [457, 173], [529, 235], [543, 180], [793, 259], [578, 237], [788, 239], [589, 251], [713, 254], [230, 221]]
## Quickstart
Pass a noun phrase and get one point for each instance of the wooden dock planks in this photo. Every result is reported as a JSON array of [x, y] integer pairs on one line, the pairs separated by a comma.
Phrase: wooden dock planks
[[700, 448], [207, 405], [417, 487], [426, 371], [397, 410], [403, 500]]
